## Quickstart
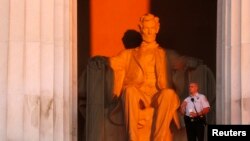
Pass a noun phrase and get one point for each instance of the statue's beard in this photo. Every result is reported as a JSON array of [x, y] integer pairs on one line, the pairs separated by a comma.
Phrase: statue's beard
[[149, 39]]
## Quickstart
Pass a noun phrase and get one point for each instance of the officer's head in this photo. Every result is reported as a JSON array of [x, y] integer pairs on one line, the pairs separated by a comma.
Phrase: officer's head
[[193, 88]]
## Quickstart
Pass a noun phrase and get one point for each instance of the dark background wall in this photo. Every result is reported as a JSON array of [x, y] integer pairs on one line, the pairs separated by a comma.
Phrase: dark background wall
[[189, 27], [83, 52], [83, 34]]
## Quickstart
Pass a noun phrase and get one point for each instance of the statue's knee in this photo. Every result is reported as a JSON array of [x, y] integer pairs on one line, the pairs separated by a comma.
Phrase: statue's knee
[[168, 94], [130, 92], [169, 97]]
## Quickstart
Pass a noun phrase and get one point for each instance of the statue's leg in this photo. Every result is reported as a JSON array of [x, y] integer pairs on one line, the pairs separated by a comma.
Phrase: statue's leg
[[130, 100], [166, 103]]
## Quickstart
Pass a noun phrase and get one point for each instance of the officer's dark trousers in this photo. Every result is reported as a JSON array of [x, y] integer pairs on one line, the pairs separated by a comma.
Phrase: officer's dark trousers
[[194, 129]]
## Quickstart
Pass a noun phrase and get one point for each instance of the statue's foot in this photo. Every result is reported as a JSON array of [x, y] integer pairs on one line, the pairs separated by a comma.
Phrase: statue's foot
[[145, 116]]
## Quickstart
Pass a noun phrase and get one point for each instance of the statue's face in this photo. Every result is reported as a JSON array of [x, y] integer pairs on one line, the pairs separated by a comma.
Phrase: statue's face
[[149, 30]]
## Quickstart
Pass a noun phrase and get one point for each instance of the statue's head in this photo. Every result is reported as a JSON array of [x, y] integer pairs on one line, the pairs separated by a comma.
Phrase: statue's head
[[149, 26]]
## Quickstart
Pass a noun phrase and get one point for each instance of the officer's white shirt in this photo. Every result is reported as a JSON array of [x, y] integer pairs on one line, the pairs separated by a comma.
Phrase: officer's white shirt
[[200, 102]]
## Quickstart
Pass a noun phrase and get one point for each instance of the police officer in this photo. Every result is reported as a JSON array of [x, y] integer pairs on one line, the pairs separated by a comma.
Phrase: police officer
[[194, 108]]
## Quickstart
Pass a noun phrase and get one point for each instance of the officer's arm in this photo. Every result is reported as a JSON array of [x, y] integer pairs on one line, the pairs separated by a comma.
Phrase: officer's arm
[[204, 111], [205, 104]]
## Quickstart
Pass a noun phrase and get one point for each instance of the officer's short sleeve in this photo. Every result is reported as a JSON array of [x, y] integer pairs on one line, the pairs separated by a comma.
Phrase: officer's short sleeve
[[204, 102]]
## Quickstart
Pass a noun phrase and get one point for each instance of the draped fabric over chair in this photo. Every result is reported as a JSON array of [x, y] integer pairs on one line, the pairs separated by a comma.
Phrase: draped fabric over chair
[[95, 94]]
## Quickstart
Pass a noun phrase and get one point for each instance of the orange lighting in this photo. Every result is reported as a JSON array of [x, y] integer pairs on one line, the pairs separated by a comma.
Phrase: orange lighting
[[109, 20]]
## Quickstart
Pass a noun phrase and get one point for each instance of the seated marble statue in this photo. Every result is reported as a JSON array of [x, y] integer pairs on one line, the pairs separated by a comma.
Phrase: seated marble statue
[[140, 80]]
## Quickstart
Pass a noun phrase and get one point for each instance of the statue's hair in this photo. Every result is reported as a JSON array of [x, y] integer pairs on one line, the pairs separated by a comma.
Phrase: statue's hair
[[149, 17]]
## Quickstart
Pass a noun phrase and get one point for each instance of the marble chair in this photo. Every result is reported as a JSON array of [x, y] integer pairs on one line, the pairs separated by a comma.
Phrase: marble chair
[[103, 114]]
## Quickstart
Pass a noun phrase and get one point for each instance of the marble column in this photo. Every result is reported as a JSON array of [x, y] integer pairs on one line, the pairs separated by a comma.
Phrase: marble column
[[38, 70], [233, 62]]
